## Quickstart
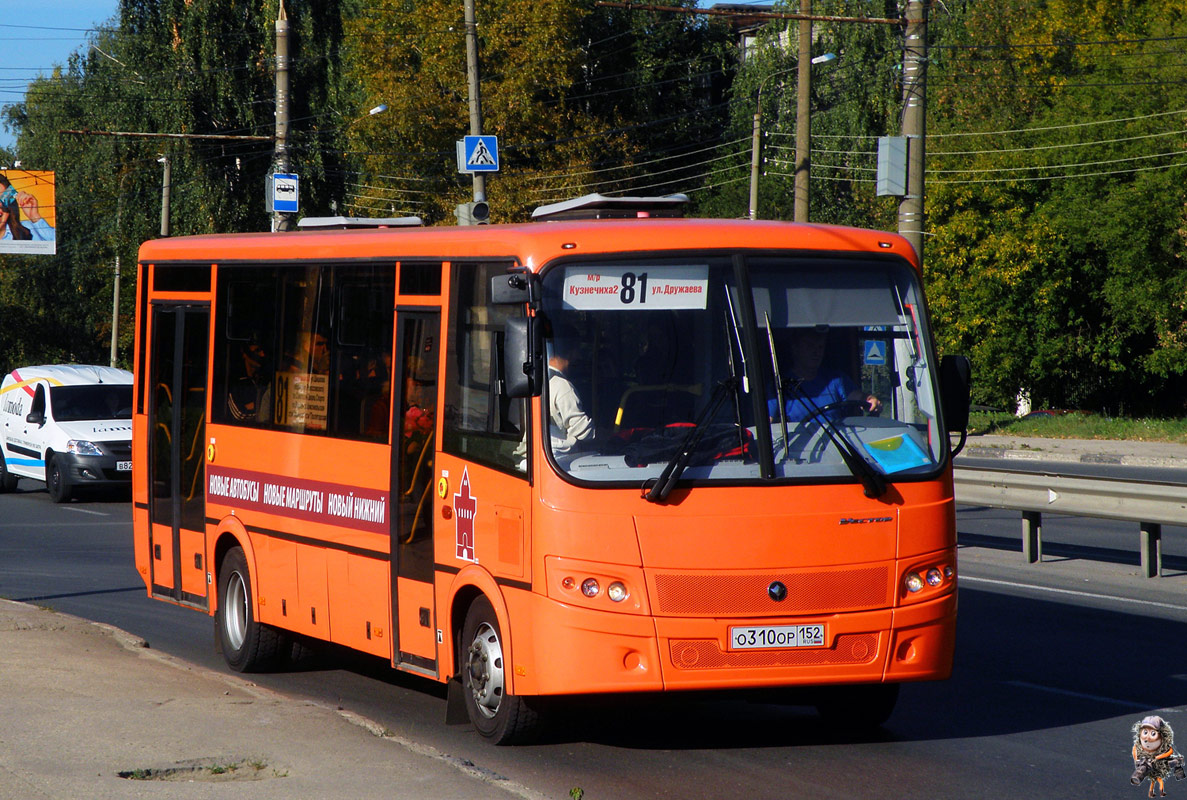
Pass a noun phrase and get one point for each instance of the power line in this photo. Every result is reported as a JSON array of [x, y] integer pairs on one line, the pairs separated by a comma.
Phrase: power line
[[1064, 177]]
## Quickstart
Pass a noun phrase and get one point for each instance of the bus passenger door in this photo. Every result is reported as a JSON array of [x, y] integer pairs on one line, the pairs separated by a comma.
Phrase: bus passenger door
[[414, 423], [177, 452]]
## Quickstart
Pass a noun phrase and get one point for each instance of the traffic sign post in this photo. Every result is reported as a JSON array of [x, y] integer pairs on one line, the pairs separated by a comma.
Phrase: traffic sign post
[[478, 154]]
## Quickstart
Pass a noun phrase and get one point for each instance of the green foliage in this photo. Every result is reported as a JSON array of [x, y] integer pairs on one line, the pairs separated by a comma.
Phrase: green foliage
[[164, 66], [1079, 426], [1059, 279], [560, 87], [1055, 238]]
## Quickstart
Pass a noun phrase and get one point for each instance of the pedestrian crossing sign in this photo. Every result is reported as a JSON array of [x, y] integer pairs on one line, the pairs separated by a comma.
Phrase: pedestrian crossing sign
[[875, 352], [478, 154]]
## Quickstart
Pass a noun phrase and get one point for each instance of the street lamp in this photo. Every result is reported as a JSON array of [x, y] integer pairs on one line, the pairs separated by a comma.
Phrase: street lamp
[[803, 129]]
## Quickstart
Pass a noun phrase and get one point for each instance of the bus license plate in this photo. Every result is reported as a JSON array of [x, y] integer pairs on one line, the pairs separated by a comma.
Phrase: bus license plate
[[123, 466], [764, 637]]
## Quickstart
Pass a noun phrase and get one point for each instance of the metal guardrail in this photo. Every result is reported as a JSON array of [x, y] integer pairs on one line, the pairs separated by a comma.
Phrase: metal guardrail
[[1150, 504]]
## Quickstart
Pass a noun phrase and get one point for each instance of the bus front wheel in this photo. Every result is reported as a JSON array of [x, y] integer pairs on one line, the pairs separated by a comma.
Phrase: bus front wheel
[[497, 715], [861, 707], [247, 645]]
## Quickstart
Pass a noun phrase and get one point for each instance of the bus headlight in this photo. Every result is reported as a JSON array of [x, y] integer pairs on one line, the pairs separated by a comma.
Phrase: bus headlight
[[922, 582], [604, 587]]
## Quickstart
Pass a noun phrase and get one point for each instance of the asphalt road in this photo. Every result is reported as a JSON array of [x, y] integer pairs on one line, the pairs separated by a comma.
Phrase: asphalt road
[[1054, 664]]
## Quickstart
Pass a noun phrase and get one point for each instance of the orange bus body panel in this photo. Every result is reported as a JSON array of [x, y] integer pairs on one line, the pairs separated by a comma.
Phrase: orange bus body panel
[[687, 563]]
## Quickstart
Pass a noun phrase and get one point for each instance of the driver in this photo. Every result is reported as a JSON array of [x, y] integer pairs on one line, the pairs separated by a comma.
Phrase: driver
[[569, 422], [821, 385]]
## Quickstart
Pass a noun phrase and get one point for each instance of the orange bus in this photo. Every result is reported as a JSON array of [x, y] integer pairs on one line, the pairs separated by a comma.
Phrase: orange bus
[[608, 451]]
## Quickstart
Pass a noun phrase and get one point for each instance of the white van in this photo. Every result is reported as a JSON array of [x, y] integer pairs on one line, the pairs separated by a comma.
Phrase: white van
[[67, 425]]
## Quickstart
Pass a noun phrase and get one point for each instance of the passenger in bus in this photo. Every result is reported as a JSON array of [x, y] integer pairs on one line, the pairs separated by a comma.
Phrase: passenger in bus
[[250, 395], [312, 356], [569, 422], [808, 377]]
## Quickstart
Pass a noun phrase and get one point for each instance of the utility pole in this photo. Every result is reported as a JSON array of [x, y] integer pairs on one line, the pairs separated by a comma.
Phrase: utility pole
[[803, 127], [282, 221], [910, 209], [474, 91], [166, 186], [803, 115]]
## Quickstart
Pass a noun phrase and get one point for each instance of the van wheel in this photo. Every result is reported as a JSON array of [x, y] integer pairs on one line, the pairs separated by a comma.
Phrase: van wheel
[[56, 481], [7, 479], [499, 716], [247, 645]]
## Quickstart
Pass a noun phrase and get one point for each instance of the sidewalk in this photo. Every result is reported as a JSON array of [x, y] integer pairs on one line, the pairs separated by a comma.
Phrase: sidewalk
[[87, 711], [1085, 451]]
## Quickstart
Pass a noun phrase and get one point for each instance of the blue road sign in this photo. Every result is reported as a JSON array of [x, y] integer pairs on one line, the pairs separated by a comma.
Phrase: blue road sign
[[875, 352], [481, 154], [284, 193]]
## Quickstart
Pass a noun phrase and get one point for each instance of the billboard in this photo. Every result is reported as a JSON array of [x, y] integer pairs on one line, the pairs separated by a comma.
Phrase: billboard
[[28, 219]]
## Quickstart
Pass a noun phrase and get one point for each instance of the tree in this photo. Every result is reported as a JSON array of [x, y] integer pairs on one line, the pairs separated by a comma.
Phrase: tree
[[1089, 312], [172, 66], [571, 89]]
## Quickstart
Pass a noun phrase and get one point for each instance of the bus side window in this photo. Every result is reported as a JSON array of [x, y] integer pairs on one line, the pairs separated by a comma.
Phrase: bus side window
[[362, 350], [245, 357], [480, 423]]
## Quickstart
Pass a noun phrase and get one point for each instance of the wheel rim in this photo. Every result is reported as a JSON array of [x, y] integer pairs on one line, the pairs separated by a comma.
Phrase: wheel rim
[[485, 668], [235, 611]]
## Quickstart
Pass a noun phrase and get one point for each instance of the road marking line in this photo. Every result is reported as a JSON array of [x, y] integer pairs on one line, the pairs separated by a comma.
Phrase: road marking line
[[1080, 695], [86, 511], [1073, 592]]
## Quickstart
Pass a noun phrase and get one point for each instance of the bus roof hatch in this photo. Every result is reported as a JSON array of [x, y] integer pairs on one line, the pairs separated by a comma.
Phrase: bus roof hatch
[[344, 223], [597, 206]]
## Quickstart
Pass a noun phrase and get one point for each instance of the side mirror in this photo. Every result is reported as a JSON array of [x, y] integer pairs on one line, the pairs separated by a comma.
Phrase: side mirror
[[512, 288], [523, 357], [956, 377], [36, 418]]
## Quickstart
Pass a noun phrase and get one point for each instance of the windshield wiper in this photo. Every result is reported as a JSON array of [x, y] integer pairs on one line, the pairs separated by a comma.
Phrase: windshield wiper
[[778, 386], [872, 481], [667, 479]]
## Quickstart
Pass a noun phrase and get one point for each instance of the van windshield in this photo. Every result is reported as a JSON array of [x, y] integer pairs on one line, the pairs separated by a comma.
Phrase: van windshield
[[102, 401], [772, 366]]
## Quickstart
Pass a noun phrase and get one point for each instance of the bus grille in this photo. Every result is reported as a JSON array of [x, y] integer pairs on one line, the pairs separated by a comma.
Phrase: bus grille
[[819, 592], [854, 648]]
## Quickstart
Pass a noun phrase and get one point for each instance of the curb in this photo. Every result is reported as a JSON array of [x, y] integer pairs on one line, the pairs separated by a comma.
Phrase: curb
[[1026, 454]]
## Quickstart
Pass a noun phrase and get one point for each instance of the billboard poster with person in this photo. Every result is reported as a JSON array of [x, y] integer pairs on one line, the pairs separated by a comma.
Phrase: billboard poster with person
[[28, 222]]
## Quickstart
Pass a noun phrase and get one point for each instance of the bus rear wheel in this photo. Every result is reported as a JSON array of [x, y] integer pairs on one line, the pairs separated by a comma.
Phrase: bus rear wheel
[[247, 644], [497, 715]]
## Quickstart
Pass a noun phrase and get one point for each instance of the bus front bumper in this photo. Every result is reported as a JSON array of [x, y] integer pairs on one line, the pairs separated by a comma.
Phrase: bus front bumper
[[579, 651]]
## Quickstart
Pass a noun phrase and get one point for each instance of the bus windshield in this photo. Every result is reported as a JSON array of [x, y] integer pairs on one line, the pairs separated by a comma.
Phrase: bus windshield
[[821, 372]]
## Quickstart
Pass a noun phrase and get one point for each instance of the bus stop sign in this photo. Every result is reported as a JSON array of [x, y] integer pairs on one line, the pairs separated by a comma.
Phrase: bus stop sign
[[282, 193]]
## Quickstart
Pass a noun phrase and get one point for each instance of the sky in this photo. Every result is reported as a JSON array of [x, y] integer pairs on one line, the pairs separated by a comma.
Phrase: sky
[[36, 36]]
